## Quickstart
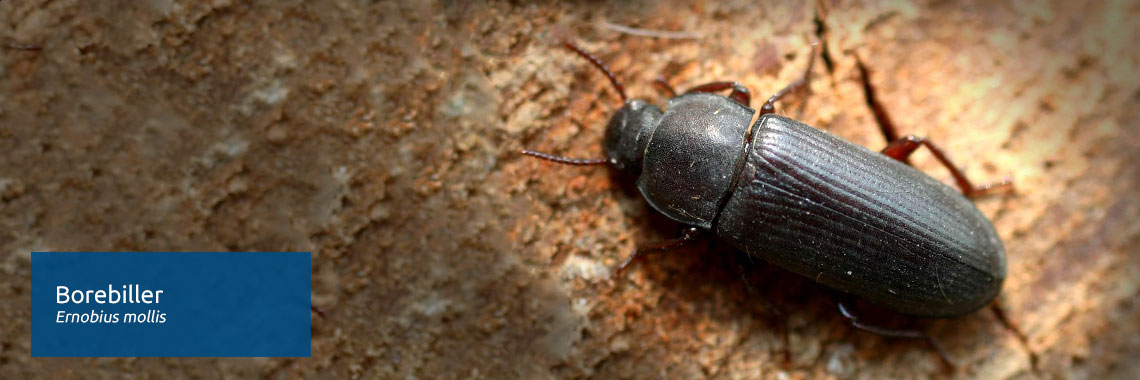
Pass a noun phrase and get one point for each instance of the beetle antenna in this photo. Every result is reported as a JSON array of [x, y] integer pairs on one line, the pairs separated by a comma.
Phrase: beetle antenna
[[617, 86], [566, 160], [600, 65]]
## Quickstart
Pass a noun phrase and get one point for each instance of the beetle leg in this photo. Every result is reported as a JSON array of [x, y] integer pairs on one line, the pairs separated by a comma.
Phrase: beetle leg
[[770, 105], [688, 236], [892, 333], [740, 94], [746, 268], [902, 148], [664, 85]]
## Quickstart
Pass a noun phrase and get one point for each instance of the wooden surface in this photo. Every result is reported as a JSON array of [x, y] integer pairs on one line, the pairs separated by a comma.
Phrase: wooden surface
[[384, 138]]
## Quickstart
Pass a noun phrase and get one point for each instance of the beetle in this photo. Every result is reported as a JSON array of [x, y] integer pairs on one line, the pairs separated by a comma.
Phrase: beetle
[[861, 222]]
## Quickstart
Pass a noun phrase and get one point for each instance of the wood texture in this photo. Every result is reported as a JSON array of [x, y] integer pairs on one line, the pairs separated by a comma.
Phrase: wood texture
[[384, 138]]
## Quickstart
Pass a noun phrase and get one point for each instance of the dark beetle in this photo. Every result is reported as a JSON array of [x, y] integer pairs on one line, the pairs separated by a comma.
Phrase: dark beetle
[[862, 222]]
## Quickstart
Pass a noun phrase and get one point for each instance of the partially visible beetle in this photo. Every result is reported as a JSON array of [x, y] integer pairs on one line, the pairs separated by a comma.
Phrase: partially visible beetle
[[861, 222]]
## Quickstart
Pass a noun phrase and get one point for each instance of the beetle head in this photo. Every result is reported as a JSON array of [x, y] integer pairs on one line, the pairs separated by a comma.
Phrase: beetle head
[[628, 133]]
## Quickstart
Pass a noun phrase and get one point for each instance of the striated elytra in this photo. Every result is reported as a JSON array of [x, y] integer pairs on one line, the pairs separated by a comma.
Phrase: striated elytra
[[850, 218], [859, 221]]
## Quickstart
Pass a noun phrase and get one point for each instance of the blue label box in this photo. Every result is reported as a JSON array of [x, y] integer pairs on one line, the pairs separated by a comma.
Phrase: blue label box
[[171, 304]]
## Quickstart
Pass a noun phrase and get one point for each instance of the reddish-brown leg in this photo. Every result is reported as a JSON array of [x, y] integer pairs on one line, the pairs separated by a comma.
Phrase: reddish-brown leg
[[688, 236], [664, 86], [740, 94], [902, 148], [770, 105]]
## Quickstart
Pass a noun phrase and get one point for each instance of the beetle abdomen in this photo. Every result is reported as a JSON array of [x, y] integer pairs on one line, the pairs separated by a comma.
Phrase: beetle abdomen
[[861, 222]]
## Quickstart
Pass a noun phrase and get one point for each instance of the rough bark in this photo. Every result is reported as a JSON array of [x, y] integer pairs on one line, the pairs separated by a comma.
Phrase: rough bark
[[384, 137]]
